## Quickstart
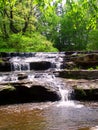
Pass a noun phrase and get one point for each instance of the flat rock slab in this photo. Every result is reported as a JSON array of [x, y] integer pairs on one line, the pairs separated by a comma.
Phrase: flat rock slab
[[84, 89], [78, 74], [24, 91]]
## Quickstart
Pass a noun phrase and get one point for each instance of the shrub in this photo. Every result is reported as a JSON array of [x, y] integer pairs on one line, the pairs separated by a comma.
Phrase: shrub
[[25, 43]]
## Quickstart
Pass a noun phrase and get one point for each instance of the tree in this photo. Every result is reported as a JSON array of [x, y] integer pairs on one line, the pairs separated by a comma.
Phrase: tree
[[78, 19], [19, 20]]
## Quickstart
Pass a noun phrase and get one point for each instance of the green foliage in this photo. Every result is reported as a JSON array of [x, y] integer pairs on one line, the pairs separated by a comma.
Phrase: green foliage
[[91, 68], [93, 40], [1, 61], [19, 22], [97, 67], [38, 25], [24, 43], [77, 20]]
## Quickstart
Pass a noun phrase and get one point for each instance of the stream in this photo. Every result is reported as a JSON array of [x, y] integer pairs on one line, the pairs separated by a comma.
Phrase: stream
[[66, 114], [49, 116]]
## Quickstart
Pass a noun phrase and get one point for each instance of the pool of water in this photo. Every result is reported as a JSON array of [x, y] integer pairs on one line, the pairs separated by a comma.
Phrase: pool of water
[[49, 116]]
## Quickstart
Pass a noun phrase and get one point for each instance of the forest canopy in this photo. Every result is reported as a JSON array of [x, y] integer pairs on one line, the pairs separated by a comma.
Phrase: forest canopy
[[48, 25]]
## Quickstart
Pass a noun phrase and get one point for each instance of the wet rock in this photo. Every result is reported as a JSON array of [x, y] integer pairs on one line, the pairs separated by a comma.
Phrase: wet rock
[[22, 76], [5, 67], [41, 65], [86, 94], [82, 89], [86, 91], [78, 74], [7, 94], [24, 91], [70, 65], [86, 61], [4, 54]]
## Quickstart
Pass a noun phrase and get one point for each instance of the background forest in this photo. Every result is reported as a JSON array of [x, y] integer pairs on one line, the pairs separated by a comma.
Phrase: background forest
[[48, 25]]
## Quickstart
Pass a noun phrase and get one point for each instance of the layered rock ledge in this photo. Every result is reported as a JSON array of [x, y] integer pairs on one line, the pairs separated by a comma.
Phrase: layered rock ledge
[[24, 91], [6, 66], [83, 89], [78, 74]]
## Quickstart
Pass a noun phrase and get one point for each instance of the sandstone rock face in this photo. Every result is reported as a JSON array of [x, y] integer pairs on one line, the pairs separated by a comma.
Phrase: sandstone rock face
[[24, 91], [86, 61], [86, 91], [41, 65], [35, 90], [83, 89], [81, 60], [5, 67], [78, 74]]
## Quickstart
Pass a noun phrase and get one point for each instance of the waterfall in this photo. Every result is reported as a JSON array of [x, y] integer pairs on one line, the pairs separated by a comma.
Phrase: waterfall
[[26, 62], [15, 66], [65, 99], [22, 61], [64, 94], [65, 102], [19, 64], [8, 78]]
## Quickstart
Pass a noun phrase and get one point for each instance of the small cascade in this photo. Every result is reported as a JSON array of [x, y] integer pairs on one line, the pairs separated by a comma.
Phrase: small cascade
[[19, 64], [64, 94], [65, 99], [8, 78], [15, 66], [25, 62]]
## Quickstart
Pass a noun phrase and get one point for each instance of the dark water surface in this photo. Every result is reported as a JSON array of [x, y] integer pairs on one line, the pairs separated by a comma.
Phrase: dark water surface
[[48, 116]]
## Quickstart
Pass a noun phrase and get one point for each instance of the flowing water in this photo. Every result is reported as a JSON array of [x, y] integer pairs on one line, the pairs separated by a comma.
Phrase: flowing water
[[48, 116], [65, 114]]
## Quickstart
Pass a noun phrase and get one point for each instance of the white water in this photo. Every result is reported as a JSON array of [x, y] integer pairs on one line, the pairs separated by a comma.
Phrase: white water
[[8, 78], [20, 64], [64, 94], [23, 63], [65, 101]]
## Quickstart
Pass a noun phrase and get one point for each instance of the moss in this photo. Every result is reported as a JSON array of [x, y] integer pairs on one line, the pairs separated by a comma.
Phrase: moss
[[7, 88], [81, 92], [1, 61]]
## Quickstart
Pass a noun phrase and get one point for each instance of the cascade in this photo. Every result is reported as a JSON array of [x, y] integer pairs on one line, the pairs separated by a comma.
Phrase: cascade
[[15, 66], [64, 94], [22, 61], [8, 77], [25, 62], [19, 64], [65, 99]]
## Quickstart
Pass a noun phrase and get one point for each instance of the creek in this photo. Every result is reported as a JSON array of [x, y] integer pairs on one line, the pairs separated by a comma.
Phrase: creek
[[65, 114]]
